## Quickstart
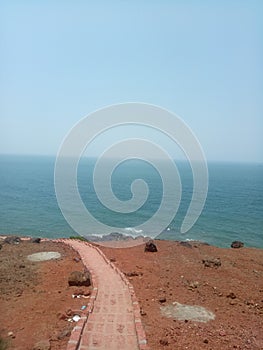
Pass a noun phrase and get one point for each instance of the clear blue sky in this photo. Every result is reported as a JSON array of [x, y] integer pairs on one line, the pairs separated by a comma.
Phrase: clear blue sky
[[61, 60]]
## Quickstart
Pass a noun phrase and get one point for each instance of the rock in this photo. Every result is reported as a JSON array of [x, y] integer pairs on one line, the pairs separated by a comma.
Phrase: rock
[[162, 300], [164, 342], [231, 295], [185, 244], [216, 262], [78, 278], [142, 312], [150, 247], [76, 260], [116, 236], [192, 285], [64, 333], [18, 293], [1, 246], [35, 240], [12, 240], [42, 345], [133, 274], [237, 244]]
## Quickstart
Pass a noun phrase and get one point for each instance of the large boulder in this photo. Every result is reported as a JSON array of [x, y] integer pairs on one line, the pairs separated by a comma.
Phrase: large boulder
[[150, 247], [237, 244], [78, 278]]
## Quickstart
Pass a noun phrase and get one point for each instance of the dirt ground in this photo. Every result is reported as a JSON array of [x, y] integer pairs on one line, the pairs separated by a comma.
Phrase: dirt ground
[[35, 296], [35, 299], [176, 273]]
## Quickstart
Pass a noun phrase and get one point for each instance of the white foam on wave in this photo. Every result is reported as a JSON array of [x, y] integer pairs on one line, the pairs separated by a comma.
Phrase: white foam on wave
[[133, 230]]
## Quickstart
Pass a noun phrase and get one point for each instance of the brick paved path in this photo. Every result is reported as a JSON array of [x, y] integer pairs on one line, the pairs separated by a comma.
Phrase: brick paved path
[[111, 324]]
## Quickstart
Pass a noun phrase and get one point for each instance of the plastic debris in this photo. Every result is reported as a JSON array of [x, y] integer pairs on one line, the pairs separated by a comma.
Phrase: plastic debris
[[76, 318], [74, 296], [78, 296]]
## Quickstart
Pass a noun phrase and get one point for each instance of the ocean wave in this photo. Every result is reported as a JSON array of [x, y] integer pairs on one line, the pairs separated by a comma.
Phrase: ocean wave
[[132, 230]]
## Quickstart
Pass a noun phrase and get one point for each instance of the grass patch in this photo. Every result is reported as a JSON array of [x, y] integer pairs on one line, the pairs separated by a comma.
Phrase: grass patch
[[80, 238], [3, 344]]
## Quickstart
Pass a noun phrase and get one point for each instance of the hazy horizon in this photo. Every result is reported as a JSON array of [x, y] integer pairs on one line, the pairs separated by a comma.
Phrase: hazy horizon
[[209, 161]]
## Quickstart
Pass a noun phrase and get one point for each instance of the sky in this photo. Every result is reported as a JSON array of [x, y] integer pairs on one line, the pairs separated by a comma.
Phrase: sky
[[202, 60]]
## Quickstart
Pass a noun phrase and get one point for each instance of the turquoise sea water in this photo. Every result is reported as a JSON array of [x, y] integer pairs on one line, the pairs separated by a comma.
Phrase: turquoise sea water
[[233, 209]]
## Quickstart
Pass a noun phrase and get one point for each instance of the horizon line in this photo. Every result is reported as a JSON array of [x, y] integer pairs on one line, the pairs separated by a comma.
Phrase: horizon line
[[154, 158]]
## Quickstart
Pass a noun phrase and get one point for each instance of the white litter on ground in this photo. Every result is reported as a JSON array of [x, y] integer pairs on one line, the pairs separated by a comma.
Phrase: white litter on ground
[[76, 318], [43, 256], [184, 312]]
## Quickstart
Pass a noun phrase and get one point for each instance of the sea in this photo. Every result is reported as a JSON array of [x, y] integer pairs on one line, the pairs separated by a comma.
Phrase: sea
[[233, 209]]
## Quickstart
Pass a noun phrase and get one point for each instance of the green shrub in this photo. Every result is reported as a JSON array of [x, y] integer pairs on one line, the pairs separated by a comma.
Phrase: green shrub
[[80, 238]]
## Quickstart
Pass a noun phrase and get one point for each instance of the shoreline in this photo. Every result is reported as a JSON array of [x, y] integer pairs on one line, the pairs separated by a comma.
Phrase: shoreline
[[129, 241]]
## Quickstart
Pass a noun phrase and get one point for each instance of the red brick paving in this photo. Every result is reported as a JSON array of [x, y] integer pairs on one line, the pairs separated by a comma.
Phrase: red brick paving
[[113, 321]]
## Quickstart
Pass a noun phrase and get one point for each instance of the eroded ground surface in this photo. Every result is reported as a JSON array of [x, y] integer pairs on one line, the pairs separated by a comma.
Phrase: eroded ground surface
[[35, 299], [34, 296], [232, 291]]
